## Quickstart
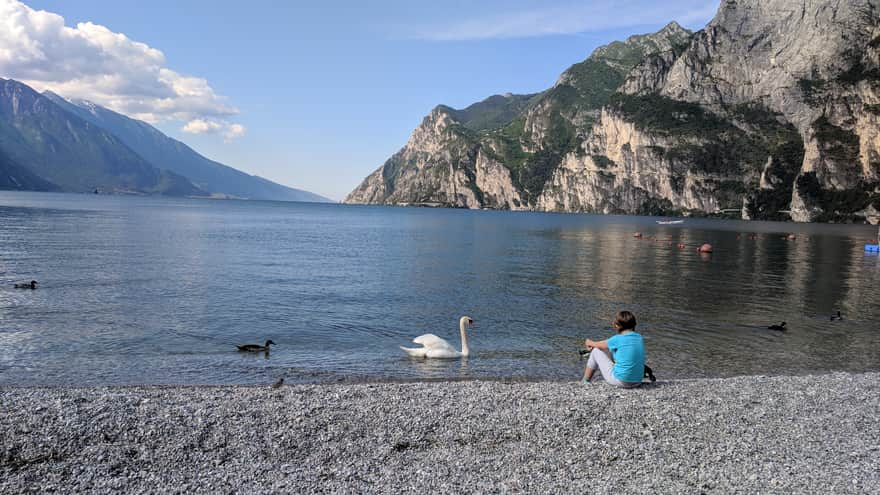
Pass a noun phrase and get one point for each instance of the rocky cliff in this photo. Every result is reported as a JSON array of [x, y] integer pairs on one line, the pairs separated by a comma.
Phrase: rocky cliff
[[771, 111]]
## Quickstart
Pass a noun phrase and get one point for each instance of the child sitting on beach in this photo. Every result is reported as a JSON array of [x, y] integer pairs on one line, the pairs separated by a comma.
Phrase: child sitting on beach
[[625, 367]]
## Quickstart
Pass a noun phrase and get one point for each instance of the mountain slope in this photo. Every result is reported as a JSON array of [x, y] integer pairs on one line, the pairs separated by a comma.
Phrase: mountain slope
[[72, 153], [770, 111], [167, 153], [16, 177], [449, 161], [815, 63], [491, 113]]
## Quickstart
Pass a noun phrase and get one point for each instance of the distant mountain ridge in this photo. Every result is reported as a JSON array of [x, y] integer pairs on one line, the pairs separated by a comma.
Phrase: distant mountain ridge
[[73, 154], [50, 143], [16, 177], [168, 153]]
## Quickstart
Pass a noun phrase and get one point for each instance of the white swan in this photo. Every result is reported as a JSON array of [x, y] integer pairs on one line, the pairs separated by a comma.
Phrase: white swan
[[435, 347]]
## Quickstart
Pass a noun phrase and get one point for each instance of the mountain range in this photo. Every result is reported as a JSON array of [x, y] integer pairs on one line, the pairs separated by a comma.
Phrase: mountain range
[[770, 112], [48, 143]]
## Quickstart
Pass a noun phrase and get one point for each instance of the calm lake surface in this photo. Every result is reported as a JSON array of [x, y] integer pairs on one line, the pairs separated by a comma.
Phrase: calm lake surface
[[155, 290]]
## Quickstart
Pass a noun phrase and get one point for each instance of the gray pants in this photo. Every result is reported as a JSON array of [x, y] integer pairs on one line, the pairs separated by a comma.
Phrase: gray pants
[[601, 360]]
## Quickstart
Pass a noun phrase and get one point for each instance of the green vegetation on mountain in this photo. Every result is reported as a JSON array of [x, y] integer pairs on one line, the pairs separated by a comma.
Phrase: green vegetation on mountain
[[812, 88], [737, 145], [835, 142], [567, 111], [587, 85], [491, 113], [664, 115], [714, 144], [839, 205]]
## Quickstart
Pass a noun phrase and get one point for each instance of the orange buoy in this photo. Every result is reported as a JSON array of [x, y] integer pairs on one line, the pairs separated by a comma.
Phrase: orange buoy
[[705, 248]]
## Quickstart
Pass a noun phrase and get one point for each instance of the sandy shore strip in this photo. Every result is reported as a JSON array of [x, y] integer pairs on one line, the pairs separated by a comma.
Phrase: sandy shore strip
[[749, 434]]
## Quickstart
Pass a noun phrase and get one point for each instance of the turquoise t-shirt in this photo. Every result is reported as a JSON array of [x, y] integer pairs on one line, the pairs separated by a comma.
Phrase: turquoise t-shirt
[[628, 350]]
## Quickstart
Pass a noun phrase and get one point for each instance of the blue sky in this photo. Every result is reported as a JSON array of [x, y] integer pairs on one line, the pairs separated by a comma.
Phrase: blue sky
[[315, 95]]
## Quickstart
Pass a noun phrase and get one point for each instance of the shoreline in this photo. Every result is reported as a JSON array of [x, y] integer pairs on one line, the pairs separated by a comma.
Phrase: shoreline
[[349, 380], [749, 433]]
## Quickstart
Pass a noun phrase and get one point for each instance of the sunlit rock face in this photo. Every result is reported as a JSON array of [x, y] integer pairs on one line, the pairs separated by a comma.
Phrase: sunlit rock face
[[441, 165], [772, 111]]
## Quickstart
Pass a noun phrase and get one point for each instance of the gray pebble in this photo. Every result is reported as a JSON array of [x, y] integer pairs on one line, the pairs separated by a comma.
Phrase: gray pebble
[[747, 434]]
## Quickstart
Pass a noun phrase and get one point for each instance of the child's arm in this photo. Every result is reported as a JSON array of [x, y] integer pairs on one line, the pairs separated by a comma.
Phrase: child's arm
[[602, 344]]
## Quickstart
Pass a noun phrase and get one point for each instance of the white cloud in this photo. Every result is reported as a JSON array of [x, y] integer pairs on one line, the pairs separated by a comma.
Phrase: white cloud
[[92, 62], [568, 19], [233, 131], [202, 126]]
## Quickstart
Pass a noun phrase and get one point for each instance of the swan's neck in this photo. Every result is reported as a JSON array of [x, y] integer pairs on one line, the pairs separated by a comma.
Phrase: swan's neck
[[464, 346]]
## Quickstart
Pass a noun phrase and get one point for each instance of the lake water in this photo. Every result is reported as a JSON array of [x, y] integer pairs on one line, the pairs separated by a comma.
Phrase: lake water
[[155, 290]]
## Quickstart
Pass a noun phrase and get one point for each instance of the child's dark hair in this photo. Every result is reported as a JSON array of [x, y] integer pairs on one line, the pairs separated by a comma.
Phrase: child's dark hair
[[625, 321]]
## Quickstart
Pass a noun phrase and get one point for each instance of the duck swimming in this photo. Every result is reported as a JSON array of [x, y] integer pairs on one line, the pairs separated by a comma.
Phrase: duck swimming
[[255, 347], [778, 328], [26, 285]]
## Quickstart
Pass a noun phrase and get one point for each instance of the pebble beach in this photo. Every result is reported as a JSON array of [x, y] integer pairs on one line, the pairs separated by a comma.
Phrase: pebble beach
[[747, 434]]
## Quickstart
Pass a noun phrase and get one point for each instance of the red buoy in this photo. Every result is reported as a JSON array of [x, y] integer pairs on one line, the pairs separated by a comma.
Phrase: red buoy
[[705, 248]]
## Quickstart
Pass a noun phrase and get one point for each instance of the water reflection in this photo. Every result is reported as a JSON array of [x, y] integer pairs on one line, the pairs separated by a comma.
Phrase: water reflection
[[704, 313], [439, 368]]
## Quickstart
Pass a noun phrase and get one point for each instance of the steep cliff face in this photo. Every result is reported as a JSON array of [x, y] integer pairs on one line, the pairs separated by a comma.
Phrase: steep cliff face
[[771, 112], [500, 153], [442, 164], [652, 155], [625, 170], [814, 62]]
